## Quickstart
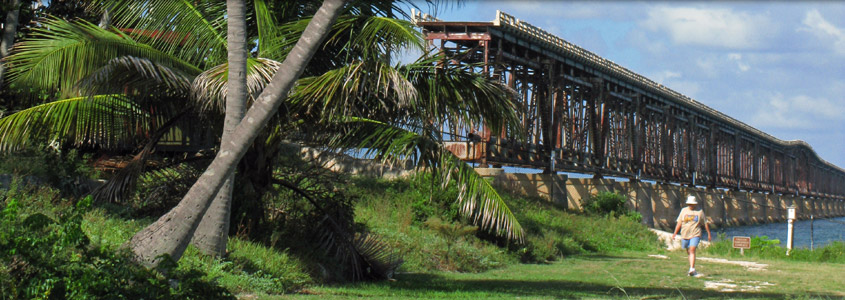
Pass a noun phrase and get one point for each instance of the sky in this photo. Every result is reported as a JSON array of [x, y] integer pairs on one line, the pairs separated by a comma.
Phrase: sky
[[777, 66]]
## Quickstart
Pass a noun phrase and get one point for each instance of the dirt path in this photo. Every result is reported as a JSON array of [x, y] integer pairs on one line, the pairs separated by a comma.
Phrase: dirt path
[[722, 285]]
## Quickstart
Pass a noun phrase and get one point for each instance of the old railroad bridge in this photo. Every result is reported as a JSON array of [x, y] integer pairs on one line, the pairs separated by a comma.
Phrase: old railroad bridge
[[586, 114]]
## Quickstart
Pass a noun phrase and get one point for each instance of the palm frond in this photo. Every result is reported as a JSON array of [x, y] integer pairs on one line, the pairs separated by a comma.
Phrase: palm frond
[[477, 197], [209, 88], [353, 37], [359, 89], [107, 121], [268, 30], [375, 36], [454, 94], [422, 90], [61, 53], [479, 200], [138, 73], [193, 30]]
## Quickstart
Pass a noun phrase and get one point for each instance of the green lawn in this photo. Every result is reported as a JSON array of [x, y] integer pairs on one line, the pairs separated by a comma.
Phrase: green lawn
[[632, 275]]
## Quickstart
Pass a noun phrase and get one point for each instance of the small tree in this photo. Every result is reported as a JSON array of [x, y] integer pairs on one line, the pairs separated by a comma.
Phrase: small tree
[[605, 203], [453, 232]]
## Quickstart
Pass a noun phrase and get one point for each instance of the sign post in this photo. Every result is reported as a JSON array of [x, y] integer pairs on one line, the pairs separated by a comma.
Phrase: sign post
[[742, 242], [790, 215]]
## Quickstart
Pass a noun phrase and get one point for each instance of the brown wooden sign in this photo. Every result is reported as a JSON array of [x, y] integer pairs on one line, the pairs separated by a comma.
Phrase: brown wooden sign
[[742, 242]]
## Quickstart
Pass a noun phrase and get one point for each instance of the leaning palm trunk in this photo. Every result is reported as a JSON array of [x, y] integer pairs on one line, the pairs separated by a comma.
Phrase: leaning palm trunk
[[213, 231], [9, 31], [171, 234]]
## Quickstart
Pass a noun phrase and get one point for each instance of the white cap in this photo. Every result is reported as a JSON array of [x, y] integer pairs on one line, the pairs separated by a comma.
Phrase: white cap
[[691, 200]]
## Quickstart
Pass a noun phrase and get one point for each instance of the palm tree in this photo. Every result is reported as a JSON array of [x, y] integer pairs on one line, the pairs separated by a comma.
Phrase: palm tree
[[171, 233], [360, 100], [12, 10], [213, 230]]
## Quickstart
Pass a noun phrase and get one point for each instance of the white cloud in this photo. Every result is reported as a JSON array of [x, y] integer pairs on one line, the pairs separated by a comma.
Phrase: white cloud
[[739, 63], [818, 25], [796, 112], [714, 27]]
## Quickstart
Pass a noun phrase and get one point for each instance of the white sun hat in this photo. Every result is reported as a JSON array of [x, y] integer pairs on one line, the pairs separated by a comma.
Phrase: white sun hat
[[691, 200]]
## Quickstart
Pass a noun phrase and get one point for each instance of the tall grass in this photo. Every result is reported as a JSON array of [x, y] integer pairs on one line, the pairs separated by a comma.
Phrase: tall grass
[[396, 209], [553, 233]]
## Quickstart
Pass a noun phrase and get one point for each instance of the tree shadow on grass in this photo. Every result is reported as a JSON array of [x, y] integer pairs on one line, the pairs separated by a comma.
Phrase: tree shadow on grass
[[416, 284]]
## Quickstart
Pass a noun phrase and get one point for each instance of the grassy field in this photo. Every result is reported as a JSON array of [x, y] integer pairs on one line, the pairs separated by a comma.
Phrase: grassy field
[[75, 251], [629, 275]]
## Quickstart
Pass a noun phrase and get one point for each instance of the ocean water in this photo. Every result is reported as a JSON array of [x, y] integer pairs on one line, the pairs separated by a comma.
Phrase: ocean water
[[824, 231]]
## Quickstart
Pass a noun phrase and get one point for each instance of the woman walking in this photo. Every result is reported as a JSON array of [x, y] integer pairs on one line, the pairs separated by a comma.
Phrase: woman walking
[[689, 223]]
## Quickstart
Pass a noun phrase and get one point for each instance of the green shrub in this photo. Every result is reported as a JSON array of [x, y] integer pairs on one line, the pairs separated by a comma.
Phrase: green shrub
[[66, 171], [604, 203], [430, 199], [51, 258]]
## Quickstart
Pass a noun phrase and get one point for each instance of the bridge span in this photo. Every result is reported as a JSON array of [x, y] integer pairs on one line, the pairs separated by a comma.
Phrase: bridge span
[[586, 114]]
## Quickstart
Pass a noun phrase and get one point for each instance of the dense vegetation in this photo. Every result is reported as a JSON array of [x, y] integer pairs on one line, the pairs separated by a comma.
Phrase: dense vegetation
[[56, 243]]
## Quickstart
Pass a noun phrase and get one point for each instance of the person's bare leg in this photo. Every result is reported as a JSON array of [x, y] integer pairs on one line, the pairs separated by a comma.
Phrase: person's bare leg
[[691, 255]]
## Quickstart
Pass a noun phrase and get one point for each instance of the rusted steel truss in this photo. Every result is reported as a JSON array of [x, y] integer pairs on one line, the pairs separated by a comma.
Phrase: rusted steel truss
[[583, 113]]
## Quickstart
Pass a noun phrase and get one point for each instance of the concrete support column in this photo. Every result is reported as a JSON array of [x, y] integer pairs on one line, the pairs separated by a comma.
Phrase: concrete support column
[[840, 208], [644, 197], [772, 208], [742, 212], [756, 207], [728, 208], [810, 205], [764, 208], [825, 209], [715, 207]]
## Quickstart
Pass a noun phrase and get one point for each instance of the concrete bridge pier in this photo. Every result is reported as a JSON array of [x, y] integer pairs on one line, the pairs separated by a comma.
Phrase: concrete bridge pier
[[757, 207], [642, 194], [773, 201]]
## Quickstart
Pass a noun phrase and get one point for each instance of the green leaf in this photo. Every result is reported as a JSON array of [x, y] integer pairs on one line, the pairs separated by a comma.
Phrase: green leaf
[[194, 31], [61, 53], [108, 121]]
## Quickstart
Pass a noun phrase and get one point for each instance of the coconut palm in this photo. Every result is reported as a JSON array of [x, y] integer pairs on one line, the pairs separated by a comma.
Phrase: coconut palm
[[350, 90]]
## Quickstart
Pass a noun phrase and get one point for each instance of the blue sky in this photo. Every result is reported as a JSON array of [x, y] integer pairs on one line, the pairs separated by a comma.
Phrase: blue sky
[[777, 66]]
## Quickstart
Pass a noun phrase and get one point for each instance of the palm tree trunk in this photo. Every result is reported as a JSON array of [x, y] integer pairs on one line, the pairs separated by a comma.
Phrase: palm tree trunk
[[213, 231], [10, 28], [171, 234]]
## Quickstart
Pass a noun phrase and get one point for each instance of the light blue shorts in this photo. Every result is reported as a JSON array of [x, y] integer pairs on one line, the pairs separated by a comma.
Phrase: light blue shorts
[[693, 242]]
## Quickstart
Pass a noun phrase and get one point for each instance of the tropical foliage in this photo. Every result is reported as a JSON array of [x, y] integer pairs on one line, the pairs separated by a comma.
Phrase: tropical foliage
[[123, 85]]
